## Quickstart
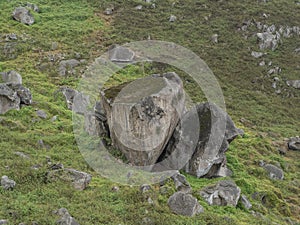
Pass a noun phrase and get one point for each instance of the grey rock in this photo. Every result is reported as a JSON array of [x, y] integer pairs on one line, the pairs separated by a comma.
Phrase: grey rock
[[11, 77], [8, 99], [172, 18], [274, 172], [66, 218], [184, 204], [42, 114], [297, 51], [193, 149], [138, 7], [23, 93], [257, 54], [293, 83], [68, 67], [76, 101], [11, 36], [214, 38], [121, 54], [33, 7], [91, 124], [144, 115], [7, 183], [145, 188], [294, 144], [2, 222], [268, 40], [115, 189], [262, 63], [23, 15], [245, 201], [181, 184], [22, 155], [224, 193], [109, 11], [69, 95]]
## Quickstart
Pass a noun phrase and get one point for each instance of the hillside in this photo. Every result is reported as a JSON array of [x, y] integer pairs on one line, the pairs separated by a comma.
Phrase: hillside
[[257, 97]]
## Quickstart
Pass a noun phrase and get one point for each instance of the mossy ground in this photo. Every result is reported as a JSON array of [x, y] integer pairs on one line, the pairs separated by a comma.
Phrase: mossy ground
[[80, 27]]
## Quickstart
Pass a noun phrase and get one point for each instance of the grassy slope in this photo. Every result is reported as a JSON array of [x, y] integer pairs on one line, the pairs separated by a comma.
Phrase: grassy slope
[[79, 26]]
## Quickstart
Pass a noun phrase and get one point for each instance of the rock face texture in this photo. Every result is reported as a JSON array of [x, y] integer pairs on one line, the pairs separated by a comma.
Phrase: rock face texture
[[8, 99], [184, 204], [204, 158], [294, 143], [11, 77], [142, 117], [224, 193], [267, 40], [23, 15]]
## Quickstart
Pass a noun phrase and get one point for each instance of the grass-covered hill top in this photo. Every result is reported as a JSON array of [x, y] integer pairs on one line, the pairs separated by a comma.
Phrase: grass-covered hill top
[[79, 29]]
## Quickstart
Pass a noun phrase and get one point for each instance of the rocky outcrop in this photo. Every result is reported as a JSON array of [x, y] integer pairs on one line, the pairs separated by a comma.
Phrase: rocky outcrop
[[8, 99], [143, 115], [267, 40], [66, 218], [200, 151], [7, 183], [11, 77], [224, 193], [184, 204], [23, 15], [294, 143], [181, 184]]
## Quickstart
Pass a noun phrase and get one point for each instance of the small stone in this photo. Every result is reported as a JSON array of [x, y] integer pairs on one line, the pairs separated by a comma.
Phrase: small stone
[[294, 144], [138, 7], [66, 218], [7, 183], [257, 54], [53, 119], [22, 155], [23, 15], [11, 36], [150, 201], [181, 184], [274, 172], [214, 38], [247, 204], [109, 11], [172, 18], [42, 114], [262, 63], [115, 189]]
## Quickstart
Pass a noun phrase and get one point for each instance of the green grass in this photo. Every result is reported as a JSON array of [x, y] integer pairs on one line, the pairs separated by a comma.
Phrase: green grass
[[80, 27]]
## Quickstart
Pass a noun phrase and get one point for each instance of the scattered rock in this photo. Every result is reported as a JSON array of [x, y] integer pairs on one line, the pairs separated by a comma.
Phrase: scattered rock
[[257, 54], [224, 193], [80, 180], [22, 155], [274, 171], [172, 18], [153, 107], [109, 11], [42, 114], [115, 189], [268, 40], [138, 7], [145, 188], [66, 67], [293, 83], [23, 15], [8, 99], [66, 218], [121, 54], [294, 144], [214, 38], [7, 183], [184, 204], [53, 119], [247, 204], [262, 63], [11, 77], [11, 36], [181, 184]]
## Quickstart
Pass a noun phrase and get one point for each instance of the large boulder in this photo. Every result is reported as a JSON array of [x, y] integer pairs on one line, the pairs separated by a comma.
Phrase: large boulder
[[23, 15], [120, 54], [8, 99], [194, 143], [224, 193], [81, 100], [23, 93], [184, 204], [143, 115]]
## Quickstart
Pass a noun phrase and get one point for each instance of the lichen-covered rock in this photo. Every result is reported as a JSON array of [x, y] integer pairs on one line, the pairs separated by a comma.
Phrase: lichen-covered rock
[[267, 40], [224, 193], [294, 143], [274, 172], [142, 116], [23, 15], [8, 99], [23, 93], [184, 204]]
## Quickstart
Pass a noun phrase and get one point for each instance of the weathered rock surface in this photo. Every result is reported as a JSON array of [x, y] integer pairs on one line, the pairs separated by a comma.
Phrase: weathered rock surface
[[172, 18], [23, 15], [71, 96], [80, 180], [199, 150], [268, 40], [294, 83], [11, 77], [224, 193], [181, 184], [294, 143], [23, 93], [245, 201], [8, 99], [42, 114], [274, 172], [142, 117], [66, 218], [184, 204], [7, 183], [121, 54], [68, 67]]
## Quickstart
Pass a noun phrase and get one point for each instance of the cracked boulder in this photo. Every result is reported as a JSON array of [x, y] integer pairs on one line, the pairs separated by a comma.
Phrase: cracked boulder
[[143, 114], [224, 193]]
